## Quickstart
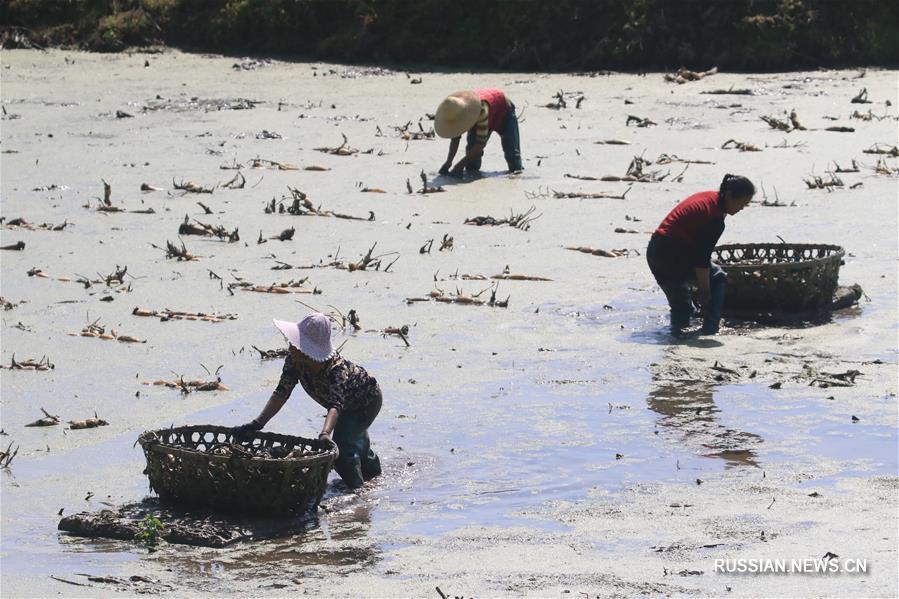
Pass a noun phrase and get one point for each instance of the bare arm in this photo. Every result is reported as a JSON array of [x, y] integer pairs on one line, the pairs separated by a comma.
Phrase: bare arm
[[473, 152], [453, 148], [330, 422], [272, 407]]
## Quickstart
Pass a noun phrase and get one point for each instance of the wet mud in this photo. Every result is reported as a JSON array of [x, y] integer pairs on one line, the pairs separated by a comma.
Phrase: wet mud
[[541, 432]]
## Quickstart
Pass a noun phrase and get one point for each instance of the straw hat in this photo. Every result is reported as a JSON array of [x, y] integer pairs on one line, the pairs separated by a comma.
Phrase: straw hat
[[312, 335], [457, 114]]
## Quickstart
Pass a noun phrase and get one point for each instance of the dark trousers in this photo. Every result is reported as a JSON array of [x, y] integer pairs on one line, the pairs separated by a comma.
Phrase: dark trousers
[[357, 461], [671, 265], [511, 141]]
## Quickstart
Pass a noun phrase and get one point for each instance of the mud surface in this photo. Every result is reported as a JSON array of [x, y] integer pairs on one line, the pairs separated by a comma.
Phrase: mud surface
[[561, 445]]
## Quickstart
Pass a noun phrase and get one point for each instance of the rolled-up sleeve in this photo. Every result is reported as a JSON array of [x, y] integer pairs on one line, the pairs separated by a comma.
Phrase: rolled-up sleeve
[[335, 400], [482, 128], [288, 378], [708, 239]]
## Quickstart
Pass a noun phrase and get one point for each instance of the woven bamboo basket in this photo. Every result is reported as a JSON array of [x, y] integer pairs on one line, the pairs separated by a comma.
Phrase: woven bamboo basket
[[264, 473], [787, 277]]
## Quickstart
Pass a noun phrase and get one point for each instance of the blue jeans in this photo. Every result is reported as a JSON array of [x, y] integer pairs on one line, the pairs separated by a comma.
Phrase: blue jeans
[[357, 461], [511, 141], [680, 299]]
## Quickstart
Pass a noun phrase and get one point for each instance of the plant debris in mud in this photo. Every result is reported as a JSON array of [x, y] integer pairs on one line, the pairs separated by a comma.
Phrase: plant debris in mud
[[559, 101], [127, 524], [401, 332], [639, 121], [739, 145], [167, 314], [881, 148], [438, 295], [206, 230], [793, 124], [271, 354], [669, 158], [343, 149], [192, 385], [636, 173], [683, 75], [8, 305], [583, 195], [7, 455], [301, 205], [191, 187], [47, 420], [87, 423], [173, 251], [196, 103], [445, 244], [730, 91], [508, 275], [816, 182], [21, 223], [419, 135], [367, 262], [291, 286], [105, 205], [150, 532], [600, 252], [425, 188], [861, 97], [882, 168], [194, 527], [95, 329], [114, 279], [520, 221], [29, 364]]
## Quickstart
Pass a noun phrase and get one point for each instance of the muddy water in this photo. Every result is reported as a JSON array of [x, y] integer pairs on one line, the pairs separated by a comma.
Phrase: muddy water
[[561, 444]]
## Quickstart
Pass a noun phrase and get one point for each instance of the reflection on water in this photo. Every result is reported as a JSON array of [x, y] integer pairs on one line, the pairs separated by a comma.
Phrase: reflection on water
[[686, 407], [335, 541]]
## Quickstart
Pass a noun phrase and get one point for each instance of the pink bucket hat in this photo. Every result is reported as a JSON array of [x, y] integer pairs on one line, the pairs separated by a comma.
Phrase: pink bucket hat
[[312, 335]]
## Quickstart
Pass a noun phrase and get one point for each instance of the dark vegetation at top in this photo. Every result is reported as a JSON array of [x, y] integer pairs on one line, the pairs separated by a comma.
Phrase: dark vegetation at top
[[532, 35]]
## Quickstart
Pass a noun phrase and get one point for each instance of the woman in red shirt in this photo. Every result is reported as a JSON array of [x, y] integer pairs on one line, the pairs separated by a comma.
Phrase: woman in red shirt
[[680, 252]]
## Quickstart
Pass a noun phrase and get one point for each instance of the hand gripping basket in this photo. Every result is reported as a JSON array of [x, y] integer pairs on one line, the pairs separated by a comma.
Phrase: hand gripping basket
[[787, 277], [265, 473]]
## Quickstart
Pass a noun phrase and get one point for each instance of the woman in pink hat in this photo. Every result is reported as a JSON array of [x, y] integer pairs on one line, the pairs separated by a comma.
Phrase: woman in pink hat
[[351, 396], [479, 113]]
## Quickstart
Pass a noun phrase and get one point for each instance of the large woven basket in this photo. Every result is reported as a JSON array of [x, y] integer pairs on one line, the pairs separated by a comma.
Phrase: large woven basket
[[787, 277], [265, 473]]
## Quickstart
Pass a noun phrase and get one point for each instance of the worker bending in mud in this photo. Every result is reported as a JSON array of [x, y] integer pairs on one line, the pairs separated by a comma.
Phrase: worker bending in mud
[[680, 252], [351, 396], [480, 113]]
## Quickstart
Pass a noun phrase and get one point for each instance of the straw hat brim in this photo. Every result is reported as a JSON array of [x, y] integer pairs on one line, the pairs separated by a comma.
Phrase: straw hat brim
[[457, 114]]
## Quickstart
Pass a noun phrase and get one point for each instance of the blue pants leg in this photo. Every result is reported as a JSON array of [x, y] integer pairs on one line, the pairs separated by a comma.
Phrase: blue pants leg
[[680, 300], [357, 461], [511, 140], [717, 288], [470, 140]]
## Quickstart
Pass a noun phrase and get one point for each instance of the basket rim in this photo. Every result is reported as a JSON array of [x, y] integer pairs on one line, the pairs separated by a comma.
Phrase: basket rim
[[149, 441], [837, 254]]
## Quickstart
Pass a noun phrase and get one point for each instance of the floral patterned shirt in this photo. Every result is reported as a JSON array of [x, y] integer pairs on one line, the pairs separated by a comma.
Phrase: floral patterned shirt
[[340, 384]]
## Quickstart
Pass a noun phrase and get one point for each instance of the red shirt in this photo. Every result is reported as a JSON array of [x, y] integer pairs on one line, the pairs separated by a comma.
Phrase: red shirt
[[497, 107], [689, 218], [698, 223]]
